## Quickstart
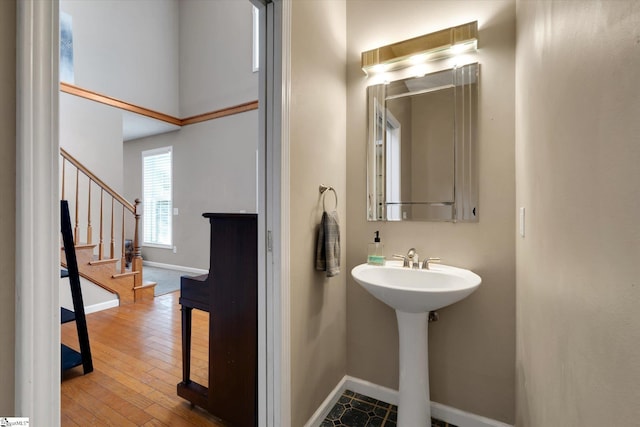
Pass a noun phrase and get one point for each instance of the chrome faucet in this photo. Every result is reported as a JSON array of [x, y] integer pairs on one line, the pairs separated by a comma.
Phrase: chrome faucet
[[411, 260]]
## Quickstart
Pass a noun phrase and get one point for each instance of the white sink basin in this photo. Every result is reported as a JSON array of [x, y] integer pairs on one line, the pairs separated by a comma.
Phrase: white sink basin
[[413, 293], [416, 291]]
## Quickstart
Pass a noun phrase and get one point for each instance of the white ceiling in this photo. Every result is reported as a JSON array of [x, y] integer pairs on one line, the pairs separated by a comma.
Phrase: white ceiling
[[136, 126]]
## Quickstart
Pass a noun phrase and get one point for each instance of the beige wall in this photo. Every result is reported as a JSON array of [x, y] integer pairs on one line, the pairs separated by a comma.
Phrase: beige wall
[[578, 157], [432, 146], [8, 197], [472, 347], [317, 156]]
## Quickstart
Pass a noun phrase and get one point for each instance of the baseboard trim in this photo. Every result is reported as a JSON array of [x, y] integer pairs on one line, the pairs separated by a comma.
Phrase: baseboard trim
[[101, 306], [442, 412], [175, 267], [324, 408]]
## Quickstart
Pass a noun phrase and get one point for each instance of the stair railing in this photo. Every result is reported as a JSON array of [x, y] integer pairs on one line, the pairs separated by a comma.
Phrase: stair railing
[[117, 203]]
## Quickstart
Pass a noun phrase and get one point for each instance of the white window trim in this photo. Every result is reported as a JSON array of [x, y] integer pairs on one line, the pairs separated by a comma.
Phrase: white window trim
[[255, 52]]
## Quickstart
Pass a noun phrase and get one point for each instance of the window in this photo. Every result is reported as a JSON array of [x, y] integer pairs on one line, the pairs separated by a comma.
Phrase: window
[[157, 197], [256, 39]]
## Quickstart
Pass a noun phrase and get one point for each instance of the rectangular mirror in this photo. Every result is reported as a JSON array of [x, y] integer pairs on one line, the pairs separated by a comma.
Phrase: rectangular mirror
[[421, 147]]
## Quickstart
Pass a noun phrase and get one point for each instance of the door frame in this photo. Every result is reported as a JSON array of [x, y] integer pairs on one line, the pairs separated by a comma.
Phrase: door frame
[[37, 335], [37, 330]]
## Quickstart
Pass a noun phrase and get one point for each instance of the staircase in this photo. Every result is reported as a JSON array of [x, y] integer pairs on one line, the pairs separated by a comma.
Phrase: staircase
[[118, 221]]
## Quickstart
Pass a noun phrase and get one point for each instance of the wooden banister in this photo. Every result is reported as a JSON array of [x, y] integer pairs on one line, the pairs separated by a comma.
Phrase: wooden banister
[[124, 202], [116, 226]]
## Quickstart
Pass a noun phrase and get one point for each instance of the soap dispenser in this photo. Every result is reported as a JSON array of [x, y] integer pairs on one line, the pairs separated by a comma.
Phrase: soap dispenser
[[376, 251]]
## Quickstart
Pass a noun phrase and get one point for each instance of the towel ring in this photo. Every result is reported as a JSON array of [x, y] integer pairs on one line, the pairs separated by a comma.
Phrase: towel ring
[[323, 190]]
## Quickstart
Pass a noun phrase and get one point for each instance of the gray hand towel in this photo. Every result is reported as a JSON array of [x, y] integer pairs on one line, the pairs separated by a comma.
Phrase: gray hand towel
[[328, 245]]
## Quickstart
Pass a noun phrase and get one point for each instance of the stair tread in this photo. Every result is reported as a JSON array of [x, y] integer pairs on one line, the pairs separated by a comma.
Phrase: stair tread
[[85, 245]]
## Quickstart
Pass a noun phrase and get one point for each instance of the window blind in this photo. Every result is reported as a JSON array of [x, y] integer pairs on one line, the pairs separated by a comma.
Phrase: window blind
[[157, 197]]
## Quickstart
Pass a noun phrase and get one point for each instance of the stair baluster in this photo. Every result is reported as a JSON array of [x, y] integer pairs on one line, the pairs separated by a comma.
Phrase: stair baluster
[[123, 260], [136, 264], [112, 244], [76, 229], [89, 229], [64, 163], [101, 244], [120, 277]]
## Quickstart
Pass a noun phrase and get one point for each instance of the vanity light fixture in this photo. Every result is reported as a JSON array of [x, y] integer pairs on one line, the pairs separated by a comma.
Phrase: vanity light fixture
[[441, 44]]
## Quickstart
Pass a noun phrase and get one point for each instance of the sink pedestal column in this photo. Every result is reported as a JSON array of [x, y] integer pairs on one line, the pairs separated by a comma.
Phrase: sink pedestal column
[[414, 406]]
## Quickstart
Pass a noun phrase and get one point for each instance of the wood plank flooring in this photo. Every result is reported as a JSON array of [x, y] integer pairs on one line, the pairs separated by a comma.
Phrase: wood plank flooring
[[137, 361]]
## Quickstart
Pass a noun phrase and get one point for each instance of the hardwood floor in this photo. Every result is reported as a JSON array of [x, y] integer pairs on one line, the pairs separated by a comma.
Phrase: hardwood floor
[[137, 361]]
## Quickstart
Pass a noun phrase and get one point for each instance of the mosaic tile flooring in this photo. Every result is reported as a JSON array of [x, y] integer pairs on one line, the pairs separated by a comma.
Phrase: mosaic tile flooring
[[358, 410]]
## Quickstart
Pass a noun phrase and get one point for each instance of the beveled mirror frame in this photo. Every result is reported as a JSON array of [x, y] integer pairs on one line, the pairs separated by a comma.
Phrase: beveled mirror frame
[[462, 205]]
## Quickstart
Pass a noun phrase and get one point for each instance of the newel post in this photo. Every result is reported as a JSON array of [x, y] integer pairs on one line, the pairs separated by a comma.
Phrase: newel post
[[137, 253]]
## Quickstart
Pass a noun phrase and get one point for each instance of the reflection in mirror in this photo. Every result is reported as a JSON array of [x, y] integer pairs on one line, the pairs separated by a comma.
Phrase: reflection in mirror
[[421, 147]]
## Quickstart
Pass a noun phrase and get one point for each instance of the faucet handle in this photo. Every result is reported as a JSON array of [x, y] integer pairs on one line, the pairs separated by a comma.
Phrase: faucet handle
[[402, 257], [426, 261]]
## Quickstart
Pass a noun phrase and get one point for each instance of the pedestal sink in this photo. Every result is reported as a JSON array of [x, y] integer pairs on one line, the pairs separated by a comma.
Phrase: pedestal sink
[[413, 294]]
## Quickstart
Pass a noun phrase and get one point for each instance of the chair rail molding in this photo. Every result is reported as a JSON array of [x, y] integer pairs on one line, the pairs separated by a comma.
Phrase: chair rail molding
[[137, 109], [37, 338]]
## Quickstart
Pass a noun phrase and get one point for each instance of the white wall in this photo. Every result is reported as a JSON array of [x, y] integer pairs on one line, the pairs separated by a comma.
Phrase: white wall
[[472, 347], [127, 50], [215, 161], [578, 157], [92, 133], [8, 197], [215, 55], [214, 170]]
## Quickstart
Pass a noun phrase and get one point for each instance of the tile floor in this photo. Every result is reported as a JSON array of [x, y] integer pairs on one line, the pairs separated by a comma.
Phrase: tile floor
[[166, 280], [358, 410]]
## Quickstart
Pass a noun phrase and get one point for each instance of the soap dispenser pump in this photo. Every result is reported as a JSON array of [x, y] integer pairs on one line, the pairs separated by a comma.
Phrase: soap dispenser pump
[[376, 251]]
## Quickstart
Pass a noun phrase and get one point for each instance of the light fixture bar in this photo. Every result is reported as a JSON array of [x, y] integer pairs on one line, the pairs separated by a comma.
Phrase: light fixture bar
[[421, 49]]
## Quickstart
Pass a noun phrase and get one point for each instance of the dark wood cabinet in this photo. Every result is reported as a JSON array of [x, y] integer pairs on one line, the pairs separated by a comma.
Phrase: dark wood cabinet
[[229, 293]]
